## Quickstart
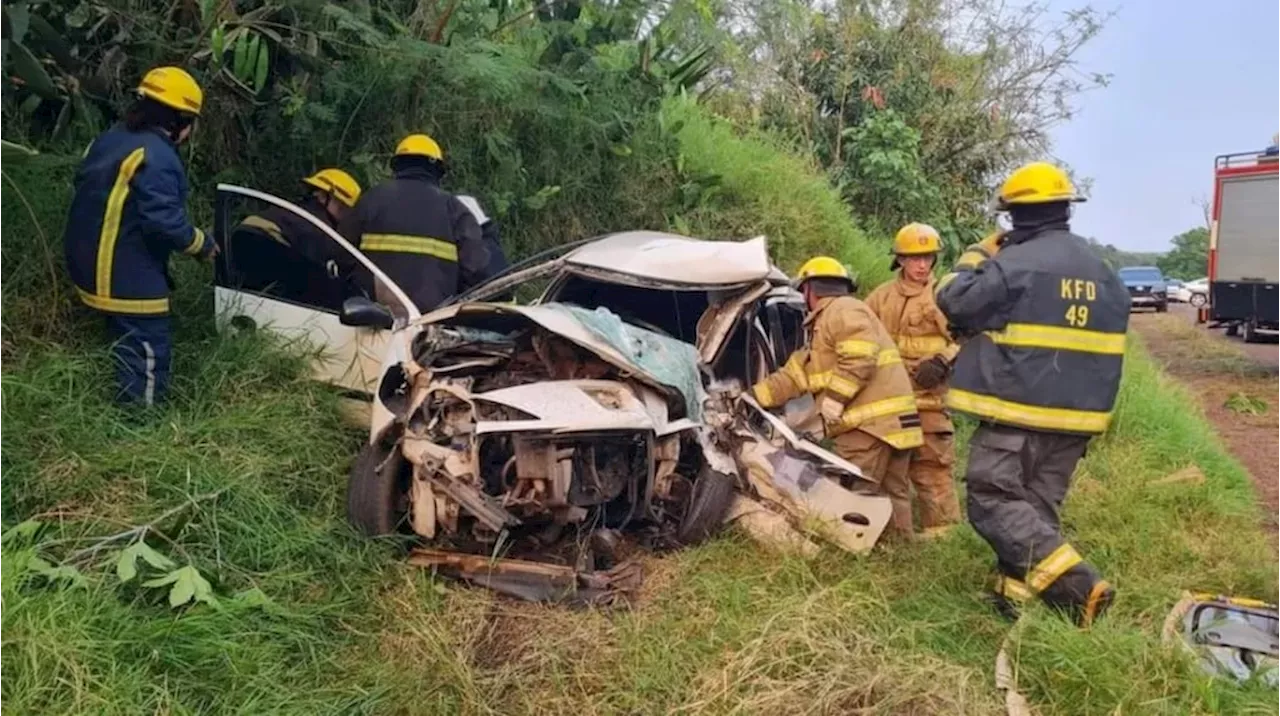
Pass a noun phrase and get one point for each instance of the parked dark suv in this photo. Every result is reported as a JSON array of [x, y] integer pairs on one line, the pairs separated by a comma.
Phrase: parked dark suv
[[1147, 287]]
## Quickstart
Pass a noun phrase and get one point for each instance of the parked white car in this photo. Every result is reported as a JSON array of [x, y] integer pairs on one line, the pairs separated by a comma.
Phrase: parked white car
[[610, 404], [1194, 292]]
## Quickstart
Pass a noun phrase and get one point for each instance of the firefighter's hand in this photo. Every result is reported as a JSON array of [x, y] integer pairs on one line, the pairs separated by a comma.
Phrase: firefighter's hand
[[212, 252], [931, 373], [831, 410]]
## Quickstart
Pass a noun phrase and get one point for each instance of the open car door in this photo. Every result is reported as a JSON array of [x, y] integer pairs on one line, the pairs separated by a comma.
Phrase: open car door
[[263, 284]]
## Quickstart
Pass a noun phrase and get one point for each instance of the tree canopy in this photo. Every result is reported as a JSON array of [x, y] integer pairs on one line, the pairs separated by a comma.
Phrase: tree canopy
[[1189, 258]]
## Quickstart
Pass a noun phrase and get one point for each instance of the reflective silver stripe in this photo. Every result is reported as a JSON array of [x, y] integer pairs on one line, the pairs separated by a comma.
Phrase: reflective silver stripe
[[149, 394]]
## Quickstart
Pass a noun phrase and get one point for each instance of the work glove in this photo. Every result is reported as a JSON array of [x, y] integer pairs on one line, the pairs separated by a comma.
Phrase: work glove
[[832, 410], [931, 373]]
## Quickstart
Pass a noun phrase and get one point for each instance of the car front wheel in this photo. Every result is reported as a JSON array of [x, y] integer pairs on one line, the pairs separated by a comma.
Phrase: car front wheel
[[376, 489], [1198, 300], [708, 503]]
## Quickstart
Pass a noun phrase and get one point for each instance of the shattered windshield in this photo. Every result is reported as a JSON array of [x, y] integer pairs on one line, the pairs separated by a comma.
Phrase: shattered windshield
[[672, 362]]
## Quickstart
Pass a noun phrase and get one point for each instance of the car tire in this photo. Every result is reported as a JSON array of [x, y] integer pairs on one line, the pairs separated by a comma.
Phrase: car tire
[[1250, 333], [1233, 330], [373, 494], [1198, 300], [708, 503]]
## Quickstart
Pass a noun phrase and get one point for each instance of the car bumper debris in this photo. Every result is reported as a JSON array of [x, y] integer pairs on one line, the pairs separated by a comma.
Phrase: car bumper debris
[[540, 456]]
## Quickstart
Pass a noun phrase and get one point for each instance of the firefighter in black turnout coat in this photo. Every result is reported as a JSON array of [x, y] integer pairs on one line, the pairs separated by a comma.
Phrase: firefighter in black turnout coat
[[425, 239], [1046, 321]]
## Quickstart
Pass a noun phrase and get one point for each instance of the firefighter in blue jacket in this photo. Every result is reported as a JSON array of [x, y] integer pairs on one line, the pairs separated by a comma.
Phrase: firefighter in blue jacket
[[127, 216]]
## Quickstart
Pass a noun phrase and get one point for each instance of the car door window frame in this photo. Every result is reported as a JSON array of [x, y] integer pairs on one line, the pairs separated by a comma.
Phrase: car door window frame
[[222, 230]]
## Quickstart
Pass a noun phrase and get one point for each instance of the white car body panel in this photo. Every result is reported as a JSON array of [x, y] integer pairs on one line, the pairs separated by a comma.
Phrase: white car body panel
[[571, 406], [672, 259], [349, 357]]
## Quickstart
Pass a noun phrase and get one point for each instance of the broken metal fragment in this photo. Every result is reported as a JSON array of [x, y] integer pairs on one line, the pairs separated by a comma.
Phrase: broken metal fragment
[[535, 581]]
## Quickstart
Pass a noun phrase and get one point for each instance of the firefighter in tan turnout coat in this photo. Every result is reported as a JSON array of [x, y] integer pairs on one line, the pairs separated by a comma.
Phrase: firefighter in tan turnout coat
[[906, 308], [854, 371]]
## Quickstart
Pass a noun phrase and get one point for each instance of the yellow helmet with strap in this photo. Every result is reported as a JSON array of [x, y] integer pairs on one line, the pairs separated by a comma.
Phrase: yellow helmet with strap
[[916, 239], [174, 88], [337, 182], [419, 145], [1036, 183], [823, 267]]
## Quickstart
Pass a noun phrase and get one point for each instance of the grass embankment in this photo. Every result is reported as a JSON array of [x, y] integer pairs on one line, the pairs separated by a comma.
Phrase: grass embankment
[[311, 619], [249, 461]]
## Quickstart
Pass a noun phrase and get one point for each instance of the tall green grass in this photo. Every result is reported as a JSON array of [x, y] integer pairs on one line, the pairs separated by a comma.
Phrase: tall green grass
[[249, 463], [752, 184], [312, 619]]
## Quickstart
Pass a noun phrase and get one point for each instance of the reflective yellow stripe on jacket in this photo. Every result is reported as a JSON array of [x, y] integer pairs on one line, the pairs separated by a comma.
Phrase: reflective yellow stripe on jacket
[[1031, 335], [888, 356], [124, 305], [1031, 416], [905, 439], [858, 414], [111, 224], [266, 226], [857, 348], [920, 346], [407, 244], [197, 243]]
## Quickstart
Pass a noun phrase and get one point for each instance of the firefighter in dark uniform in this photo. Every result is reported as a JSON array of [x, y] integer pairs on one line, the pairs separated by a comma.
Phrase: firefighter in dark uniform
[[277, 248], [492, 242], [127, 216], [424, 238], [1045, 320]]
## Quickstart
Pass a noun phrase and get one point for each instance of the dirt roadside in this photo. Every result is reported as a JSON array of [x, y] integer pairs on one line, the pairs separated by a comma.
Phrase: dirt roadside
[[1224, 372]]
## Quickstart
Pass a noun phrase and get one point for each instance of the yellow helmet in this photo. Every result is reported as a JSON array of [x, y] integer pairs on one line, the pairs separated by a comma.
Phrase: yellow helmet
[[419, 145], [916, 239], [823, 267], [1036, 183], [337, 182], [174, 88]]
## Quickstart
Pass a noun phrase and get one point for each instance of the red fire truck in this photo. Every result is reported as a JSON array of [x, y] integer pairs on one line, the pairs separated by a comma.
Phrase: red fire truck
[[1244, 243]]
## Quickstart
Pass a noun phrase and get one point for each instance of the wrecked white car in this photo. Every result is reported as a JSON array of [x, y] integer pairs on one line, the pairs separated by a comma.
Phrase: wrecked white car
[[537, 446]]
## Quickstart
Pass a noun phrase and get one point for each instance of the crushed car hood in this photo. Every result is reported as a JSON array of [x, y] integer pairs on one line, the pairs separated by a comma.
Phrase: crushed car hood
[[648, 356]]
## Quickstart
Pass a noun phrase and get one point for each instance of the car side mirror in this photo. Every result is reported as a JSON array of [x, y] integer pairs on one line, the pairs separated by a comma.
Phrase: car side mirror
[[360, 311]]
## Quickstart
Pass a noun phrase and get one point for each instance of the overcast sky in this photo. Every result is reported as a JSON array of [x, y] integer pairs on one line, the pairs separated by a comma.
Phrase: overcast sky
[[1192, 80]]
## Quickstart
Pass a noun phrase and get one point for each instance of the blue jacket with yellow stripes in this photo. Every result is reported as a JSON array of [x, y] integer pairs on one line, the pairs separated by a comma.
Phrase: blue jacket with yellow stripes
[[127, 216], [1047, 320]]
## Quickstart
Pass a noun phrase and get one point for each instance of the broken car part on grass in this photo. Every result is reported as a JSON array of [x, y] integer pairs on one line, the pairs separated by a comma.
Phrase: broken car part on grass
[[545, 445], [1232, 638]]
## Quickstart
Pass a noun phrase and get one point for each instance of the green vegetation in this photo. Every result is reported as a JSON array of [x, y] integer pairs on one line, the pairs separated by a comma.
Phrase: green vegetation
[[1119, 258], [1189, 258], [196, 560], [308, 618]]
